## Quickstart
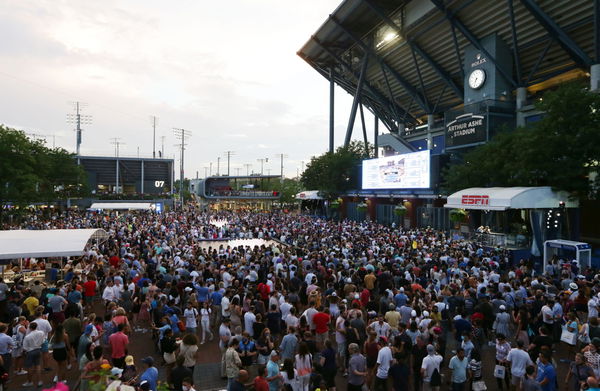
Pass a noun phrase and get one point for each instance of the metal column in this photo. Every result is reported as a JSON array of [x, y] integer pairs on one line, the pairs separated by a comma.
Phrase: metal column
[[430, 125], [375, 135], [356, 101], [142, 187], [331, 108], [117, 176]]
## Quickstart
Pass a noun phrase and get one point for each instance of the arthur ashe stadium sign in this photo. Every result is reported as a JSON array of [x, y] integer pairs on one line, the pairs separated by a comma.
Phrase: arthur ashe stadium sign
[[465, 129]]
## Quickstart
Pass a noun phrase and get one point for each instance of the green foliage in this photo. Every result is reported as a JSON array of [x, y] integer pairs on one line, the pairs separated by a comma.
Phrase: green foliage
[[31, 172], [335, 173], [400, 210], [560, 151], [458, 215], [288, 189]]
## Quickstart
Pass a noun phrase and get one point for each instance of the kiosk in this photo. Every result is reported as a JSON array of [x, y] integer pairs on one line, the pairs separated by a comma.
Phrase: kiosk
[[579, 251]]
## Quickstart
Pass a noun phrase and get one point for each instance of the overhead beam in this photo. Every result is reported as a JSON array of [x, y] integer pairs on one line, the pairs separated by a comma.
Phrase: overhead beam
[[473, 39], [420, 99], [575, 52], [513, 28], [376, 94], [445, 76], [356, 100], [597, 30]]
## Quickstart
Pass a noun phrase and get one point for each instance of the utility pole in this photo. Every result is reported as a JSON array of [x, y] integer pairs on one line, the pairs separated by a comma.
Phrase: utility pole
[[228, 154], [162, 150], [248, 166], [210, 171], [237, 171], [218, 165], [302, 166], [117, 144], [262, 162], [79, 119], [153, 118], [205, 172], [181, 134], [281, 156]]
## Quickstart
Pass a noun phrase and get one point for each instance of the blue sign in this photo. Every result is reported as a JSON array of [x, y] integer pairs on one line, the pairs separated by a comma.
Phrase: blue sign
[[158, 207]]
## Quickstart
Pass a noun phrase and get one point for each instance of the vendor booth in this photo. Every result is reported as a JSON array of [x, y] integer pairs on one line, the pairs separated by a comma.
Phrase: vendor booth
[[55, 243], [515, 217], [568, 250], [311, 202]]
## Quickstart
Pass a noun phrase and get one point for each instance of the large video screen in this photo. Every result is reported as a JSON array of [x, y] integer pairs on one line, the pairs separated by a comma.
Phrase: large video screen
[[407, 171]]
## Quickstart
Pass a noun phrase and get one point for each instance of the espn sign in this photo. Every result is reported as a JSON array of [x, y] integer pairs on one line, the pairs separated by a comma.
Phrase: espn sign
[[475, 200]]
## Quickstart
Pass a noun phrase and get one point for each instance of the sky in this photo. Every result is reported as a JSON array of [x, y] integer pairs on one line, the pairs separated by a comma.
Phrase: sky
[[227, 71]]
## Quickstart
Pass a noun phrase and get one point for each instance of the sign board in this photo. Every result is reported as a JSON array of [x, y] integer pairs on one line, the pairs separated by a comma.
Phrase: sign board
[[475, 199], [466, 129], [405, 171]]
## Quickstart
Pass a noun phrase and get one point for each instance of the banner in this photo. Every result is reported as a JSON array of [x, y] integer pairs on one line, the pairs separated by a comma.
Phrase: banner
[[466, 129]]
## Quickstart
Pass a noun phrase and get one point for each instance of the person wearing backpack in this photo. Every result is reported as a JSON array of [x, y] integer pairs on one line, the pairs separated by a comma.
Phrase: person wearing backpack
[[430, 370]]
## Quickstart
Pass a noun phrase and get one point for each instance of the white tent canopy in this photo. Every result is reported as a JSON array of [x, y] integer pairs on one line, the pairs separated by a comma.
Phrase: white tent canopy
[[503, 198], [309, 195], [122, 205], [16, 244]]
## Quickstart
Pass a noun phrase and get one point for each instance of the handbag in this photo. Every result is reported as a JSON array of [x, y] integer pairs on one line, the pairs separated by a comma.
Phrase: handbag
[[499, 371], [568, 337], [479, 385]]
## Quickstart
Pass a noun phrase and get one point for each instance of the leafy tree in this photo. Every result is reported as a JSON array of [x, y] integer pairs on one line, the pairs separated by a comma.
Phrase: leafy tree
[[337, 172], [288, 189], [30, 172], [561, 150]]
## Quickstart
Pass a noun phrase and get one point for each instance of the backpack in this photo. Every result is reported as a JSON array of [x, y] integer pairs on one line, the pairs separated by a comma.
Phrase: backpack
[[436, 378]]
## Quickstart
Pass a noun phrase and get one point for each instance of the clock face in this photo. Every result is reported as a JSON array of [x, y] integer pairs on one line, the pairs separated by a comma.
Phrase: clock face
[[476, 79]]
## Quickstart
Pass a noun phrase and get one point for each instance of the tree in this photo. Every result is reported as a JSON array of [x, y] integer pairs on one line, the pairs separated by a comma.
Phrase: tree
[[288, 189], [335, 173], [31, 172], [560, 151]]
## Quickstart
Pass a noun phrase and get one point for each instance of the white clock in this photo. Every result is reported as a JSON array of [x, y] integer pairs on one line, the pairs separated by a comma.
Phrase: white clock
[[476, 79]]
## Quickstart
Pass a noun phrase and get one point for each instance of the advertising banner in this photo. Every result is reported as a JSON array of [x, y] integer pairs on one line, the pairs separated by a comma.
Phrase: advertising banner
[[466, 129]]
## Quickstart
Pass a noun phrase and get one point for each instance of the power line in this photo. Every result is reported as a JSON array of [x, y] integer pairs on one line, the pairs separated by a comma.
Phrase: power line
[[229, 154], [78, 119], [153, 118], [181, 134]]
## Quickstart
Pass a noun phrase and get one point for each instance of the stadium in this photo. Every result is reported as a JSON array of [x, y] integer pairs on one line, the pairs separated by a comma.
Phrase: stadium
[[445, 76]]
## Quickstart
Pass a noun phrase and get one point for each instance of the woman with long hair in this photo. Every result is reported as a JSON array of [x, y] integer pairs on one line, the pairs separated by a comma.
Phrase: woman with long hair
[[371, 349], [304, 366], [290, 376], [60, 351], [264, 345], [189, 350]]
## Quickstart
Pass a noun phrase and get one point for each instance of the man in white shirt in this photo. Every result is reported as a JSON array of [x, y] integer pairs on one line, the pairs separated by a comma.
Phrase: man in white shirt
[[381, 327], [249, 320], [519, 361], [285, 308], [384, 362], [225, 312], [110, 293], [32, 346], [191, 319], [431, 362], [593, 306]]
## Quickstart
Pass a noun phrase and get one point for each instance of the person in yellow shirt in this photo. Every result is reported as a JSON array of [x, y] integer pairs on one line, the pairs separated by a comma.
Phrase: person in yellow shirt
[[31, 303], [370, 281]]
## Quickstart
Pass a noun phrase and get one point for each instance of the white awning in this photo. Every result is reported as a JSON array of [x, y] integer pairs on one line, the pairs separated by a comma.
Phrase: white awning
[[16, 244], [503, 198], [309, 195], [123, 205]]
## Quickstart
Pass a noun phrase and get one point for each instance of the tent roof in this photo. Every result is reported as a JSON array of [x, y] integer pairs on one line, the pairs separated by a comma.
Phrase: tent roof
[[503, 198], [46, 243], [309, 195], [122, 205]]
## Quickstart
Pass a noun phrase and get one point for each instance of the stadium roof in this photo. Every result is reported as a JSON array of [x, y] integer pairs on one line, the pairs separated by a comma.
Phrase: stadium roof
[[47, 243], [415, 48]]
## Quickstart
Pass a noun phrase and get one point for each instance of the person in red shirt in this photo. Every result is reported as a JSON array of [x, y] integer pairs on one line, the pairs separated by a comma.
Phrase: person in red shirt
[[119, 342], [260, 381], [114, 261], [321, 320], [89, 291]]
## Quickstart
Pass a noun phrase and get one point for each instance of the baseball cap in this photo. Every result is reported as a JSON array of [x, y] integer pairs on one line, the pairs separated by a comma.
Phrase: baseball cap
[[148, 360], [88, 329]]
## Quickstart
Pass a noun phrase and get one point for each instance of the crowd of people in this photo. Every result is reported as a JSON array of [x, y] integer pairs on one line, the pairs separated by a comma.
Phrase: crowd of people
[[325, 304]]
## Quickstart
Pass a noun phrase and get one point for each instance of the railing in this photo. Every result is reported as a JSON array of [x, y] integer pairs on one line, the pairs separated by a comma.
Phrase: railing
[[243, 193]]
